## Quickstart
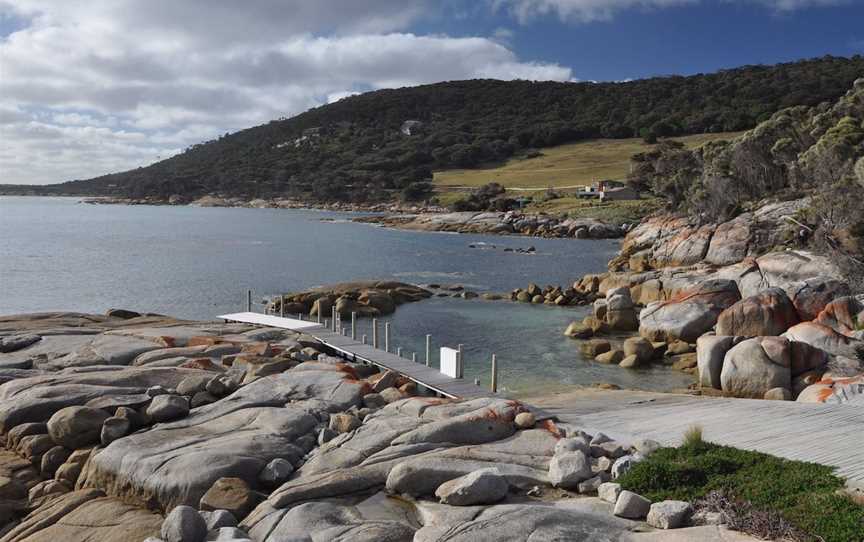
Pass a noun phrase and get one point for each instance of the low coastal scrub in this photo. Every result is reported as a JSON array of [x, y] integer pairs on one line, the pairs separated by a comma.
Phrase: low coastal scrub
[[761, 494]]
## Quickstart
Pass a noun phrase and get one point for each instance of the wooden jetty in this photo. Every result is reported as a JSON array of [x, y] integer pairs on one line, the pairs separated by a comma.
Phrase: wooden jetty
[[830, 434], [356, 351]]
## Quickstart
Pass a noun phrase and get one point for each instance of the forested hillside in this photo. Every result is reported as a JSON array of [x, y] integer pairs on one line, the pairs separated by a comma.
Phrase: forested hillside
[[362, 149]]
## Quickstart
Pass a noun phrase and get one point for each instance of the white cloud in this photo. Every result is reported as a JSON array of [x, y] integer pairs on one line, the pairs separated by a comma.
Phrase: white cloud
[[582, 11], [586, 11], [93, 87]]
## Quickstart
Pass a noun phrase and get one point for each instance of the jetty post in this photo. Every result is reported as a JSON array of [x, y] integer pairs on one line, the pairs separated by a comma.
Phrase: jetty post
[[386, 336], [460, 362], [494, 385], [413, 357], [282, 306], [363, 339], [248, 300], [428, 350], [374, 333], [354, 325], [399, 351]]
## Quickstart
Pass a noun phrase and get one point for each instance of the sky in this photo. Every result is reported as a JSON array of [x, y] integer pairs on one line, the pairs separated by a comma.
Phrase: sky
[[89, 87]]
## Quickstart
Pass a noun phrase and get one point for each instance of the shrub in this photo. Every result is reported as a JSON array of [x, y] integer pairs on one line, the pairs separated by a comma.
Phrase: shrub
[[769, 493]]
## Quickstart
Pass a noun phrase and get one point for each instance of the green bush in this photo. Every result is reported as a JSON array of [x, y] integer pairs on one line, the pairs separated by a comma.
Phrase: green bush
[[802, 493]]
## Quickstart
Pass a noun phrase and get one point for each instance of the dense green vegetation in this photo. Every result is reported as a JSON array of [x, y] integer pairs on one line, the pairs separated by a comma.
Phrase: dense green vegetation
[[814, 152], [802, 494], [354, 149]]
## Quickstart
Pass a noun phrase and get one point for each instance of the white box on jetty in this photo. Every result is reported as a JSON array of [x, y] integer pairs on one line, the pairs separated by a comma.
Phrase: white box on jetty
[[450, 362]]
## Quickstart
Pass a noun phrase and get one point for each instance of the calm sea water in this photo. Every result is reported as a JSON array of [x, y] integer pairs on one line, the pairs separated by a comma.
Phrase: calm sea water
[[58, 254]]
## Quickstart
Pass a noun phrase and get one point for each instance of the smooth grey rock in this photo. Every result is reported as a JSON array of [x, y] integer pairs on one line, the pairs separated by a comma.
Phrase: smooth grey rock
[[326, 435], [646, 446], [234, 437], [485, 486], [604, 464], [567, 470], [593, 484], [53, 459], [226, 534], [422, 476], [572, 521], [17, 342], [609, 491], [218, 518], [600, 438], [572, 444], [669, 514], [610, 449], [154, 391], [114, 428], [76, 426], [373, 400], [276, 471], [754, 366], [193, 384], [184, 524], [710, 352], [623, 464], [344, 423], [631, 506], [165, 408]]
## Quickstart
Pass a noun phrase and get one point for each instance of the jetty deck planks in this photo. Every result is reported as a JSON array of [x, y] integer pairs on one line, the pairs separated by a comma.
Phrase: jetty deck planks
[[357, 351], [830, 434]]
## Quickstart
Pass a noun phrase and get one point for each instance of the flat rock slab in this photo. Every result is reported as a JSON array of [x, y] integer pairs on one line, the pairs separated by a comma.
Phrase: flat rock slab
[[49, 348], [576, 522], [176, 463], [85, 516], [36, 399]]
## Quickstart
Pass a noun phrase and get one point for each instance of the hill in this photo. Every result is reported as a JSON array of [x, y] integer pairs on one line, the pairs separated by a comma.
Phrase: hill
[[363, 148]]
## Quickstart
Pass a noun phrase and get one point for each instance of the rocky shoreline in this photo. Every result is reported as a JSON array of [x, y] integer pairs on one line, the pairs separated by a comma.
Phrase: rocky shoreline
[[501, 223], [279, 203], [200, 430], [416, 218], [722, 302]]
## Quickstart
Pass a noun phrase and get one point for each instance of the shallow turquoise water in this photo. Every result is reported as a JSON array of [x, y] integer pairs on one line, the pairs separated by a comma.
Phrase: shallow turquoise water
[[57, 254]]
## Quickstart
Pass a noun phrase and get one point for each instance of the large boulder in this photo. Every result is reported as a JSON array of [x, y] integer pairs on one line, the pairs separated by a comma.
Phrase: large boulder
[[485, 486], [567, 470], [829, 340], [812, 295], [710, 352], [689, 314], [835, 391], [184, 524], [164, 408], [620, 312], [757, 365], [639, 347], [844, 315], [669, 514], [231, 494], [768, 313], [76, 426]]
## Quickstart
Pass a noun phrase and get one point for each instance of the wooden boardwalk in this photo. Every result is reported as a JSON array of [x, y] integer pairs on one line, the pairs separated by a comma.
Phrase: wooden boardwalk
[[828, 434], [351, 349]]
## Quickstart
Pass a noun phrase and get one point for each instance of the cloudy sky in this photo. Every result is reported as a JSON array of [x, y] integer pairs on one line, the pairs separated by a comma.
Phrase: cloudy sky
[[95, 86]]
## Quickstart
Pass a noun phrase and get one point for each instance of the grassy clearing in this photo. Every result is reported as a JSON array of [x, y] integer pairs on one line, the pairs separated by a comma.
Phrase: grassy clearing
[[576, 164], [614, 212], [802, 494]]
